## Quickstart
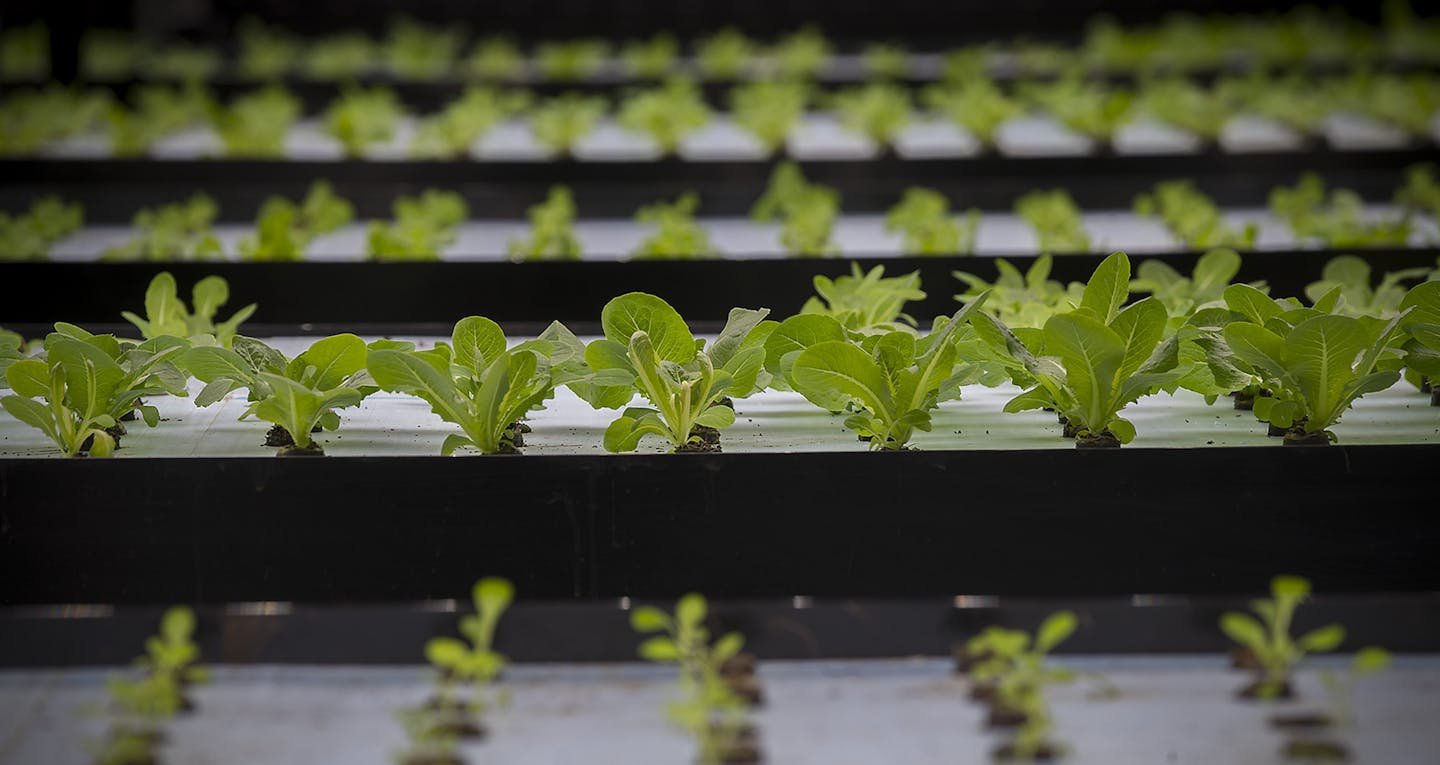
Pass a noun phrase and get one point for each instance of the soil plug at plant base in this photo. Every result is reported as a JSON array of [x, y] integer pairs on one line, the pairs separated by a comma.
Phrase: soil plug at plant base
[[552, 230], [708, 709], [476, 383], [1268, 639], [166, 314]]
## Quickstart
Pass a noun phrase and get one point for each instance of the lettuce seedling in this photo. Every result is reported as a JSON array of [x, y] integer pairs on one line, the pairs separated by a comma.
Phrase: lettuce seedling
[[255, 124], [801, 55], [1186, 105], [34, 117], [886, 61], [283, 229], [1056, 220], [455, 129], [1421, 192], [108, 55], [88, 383], [173, 653], [552, 230], [922, 217], [648, 346], [1407, 101], [1268, 637], [571, 61], [1192, 216], [417, 52], [157, 112], [560, 122], [266, 52], [1316, 368], [360, 118], [423, 226], [667, 113], [707, 708], [966, 64], [166, 314], [878, 111], [298, 395], [25, 52], [1094, 361], [1421, 325], [724, 55], [495, 59], [1293, 100], [769, 109], [976, 105], [866, 302], [476, 663], [177, 231], [1338, 222], [651, 59], [806, 211], [890, 381], [1021, 300], [144, 704], [183, 63], [475, 383], [1351, 275], [343, 56], [30, 236], [1183, 295], [1037, 58], [677, 235], [1090, 108], [1017, 667]]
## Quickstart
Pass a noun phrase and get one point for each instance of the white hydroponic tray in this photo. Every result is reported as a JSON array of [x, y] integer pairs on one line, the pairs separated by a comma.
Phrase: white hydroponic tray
[[392, 424], [817, 136], [903, 711], [999, 233]]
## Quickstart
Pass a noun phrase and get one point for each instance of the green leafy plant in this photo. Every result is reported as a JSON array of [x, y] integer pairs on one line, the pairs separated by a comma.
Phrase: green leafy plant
[[1187, 105], [707, 709], [769, 109], [25, 51], [476, 662], [1021, 299], [889, 381], [88, 383], [1056, 220], [962, 65], [108, 55], [495, 59], [298, 395], [266, 52], [724, 55], [975, 104], [806, 211], [1421, 192], [284, 229], [572, 60], [455, 129], [479, 385], [649, 349], [255, 124], [1316, 364], [552, 230], [1016, 666], [1183, 295], [886, 61], [143, 705], [166, 313], [878, 111], [922, 217], [677, 235], [1293, 100], [1339, 221], [423, 226], [1092, 109], [1090, 363], [1421, 325], [1192, 216], [1268, 637], [31, 118], [360, 118], [560, 122], [30, 236], [651, 59], [343, 56], [801, 55], [415, 51], [1407, 101], [667, 113], [1357, 297], [177, 231], [157, 112], [185, 63], [866, 302]]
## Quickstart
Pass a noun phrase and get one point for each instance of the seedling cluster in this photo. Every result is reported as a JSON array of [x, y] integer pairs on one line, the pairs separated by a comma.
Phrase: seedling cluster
[[142, 704]]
